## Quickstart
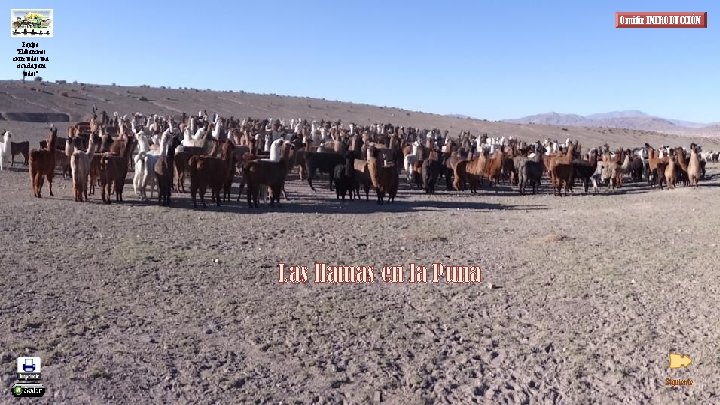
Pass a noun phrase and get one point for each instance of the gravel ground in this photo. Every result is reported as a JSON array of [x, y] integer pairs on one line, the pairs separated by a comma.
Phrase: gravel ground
[[138, 303]]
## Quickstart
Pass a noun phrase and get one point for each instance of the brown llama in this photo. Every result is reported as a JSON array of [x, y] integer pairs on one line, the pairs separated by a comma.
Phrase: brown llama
[[42, 163]]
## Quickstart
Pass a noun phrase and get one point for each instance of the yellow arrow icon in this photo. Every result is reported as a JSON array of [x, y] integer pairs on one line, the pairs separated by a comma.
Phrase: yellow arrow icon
[[679, 360]]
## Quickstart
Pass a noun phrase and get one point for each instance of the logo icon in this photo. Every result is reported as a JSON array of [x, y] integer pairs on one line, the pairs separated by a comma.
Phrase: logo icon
[[29, 365], [27, 23], [27, 390], [28, 368], [679, 360]]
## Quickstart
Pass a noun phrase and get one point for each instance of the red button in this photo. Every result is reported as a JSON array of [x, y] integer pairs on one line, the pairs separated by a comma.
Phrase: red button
[[645, 19]]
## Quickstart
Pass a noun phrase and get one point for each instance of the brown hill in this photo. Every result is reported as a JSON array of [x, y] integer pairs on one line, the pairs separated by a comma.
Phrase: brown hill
[[75, 101]]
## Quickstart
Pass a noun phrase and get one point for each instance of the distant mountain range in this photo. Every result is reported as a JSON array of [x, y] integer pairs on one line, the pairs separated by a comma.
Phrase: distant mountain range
[[460, 116], [631, 119]]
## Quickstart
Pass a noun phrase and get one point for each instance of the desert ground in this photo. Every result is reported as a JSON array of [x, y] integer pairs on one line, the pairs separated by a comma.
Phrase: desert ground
[[582, 297]]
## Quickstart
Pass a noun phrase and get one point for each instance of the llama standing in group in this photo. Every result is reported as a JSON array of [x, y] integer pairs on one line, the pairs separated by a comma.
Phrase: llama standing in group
[[694, 170], [4, 149], [146, 166], [42, 163], [80, 169]]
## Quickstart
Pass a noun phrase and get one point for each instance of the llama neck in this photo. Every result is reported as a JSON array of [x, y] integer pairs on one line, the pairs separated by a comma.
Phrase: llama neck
[[349, 167], [163, 145], [681, 159], [171, 152], [69, 148], [143, 144], [214, 149], [52, 141], [91, 148], [129, 146], [694, 156]]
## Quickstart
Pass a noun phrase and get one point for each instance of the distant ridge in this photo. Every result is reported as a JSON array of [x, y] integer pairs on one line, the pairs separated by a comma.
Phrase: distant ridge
[[460, 116], [617, 114], [630, 119]]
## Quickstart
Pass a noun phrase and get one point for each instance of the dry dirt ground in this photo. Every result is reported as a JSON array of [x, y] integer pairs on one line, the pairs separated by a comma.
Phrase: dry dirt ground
[[137, 303]]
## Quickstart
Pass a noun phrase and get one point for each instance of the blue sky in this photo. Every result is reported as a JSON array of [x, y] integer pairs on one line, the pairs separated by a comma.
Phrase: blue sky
[[487, 59]]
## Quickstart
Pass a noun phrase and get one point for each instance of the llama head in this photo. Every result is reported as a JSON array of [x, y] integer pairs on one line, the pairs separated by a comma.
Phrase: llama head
[[370, 152], [285, 151], [6, 136], [175, 142]]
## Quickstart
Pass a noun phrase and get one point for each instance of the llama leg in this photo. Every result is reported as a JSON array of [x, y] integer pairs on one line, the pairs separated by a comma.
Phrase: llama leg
[[50, 179], [311, 174], [181, 181], [39, 185], [284, 194], [177, 178], [280, 189], [136, 179], [152, 187], [240, 190], [33, 184], [145, 181]]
